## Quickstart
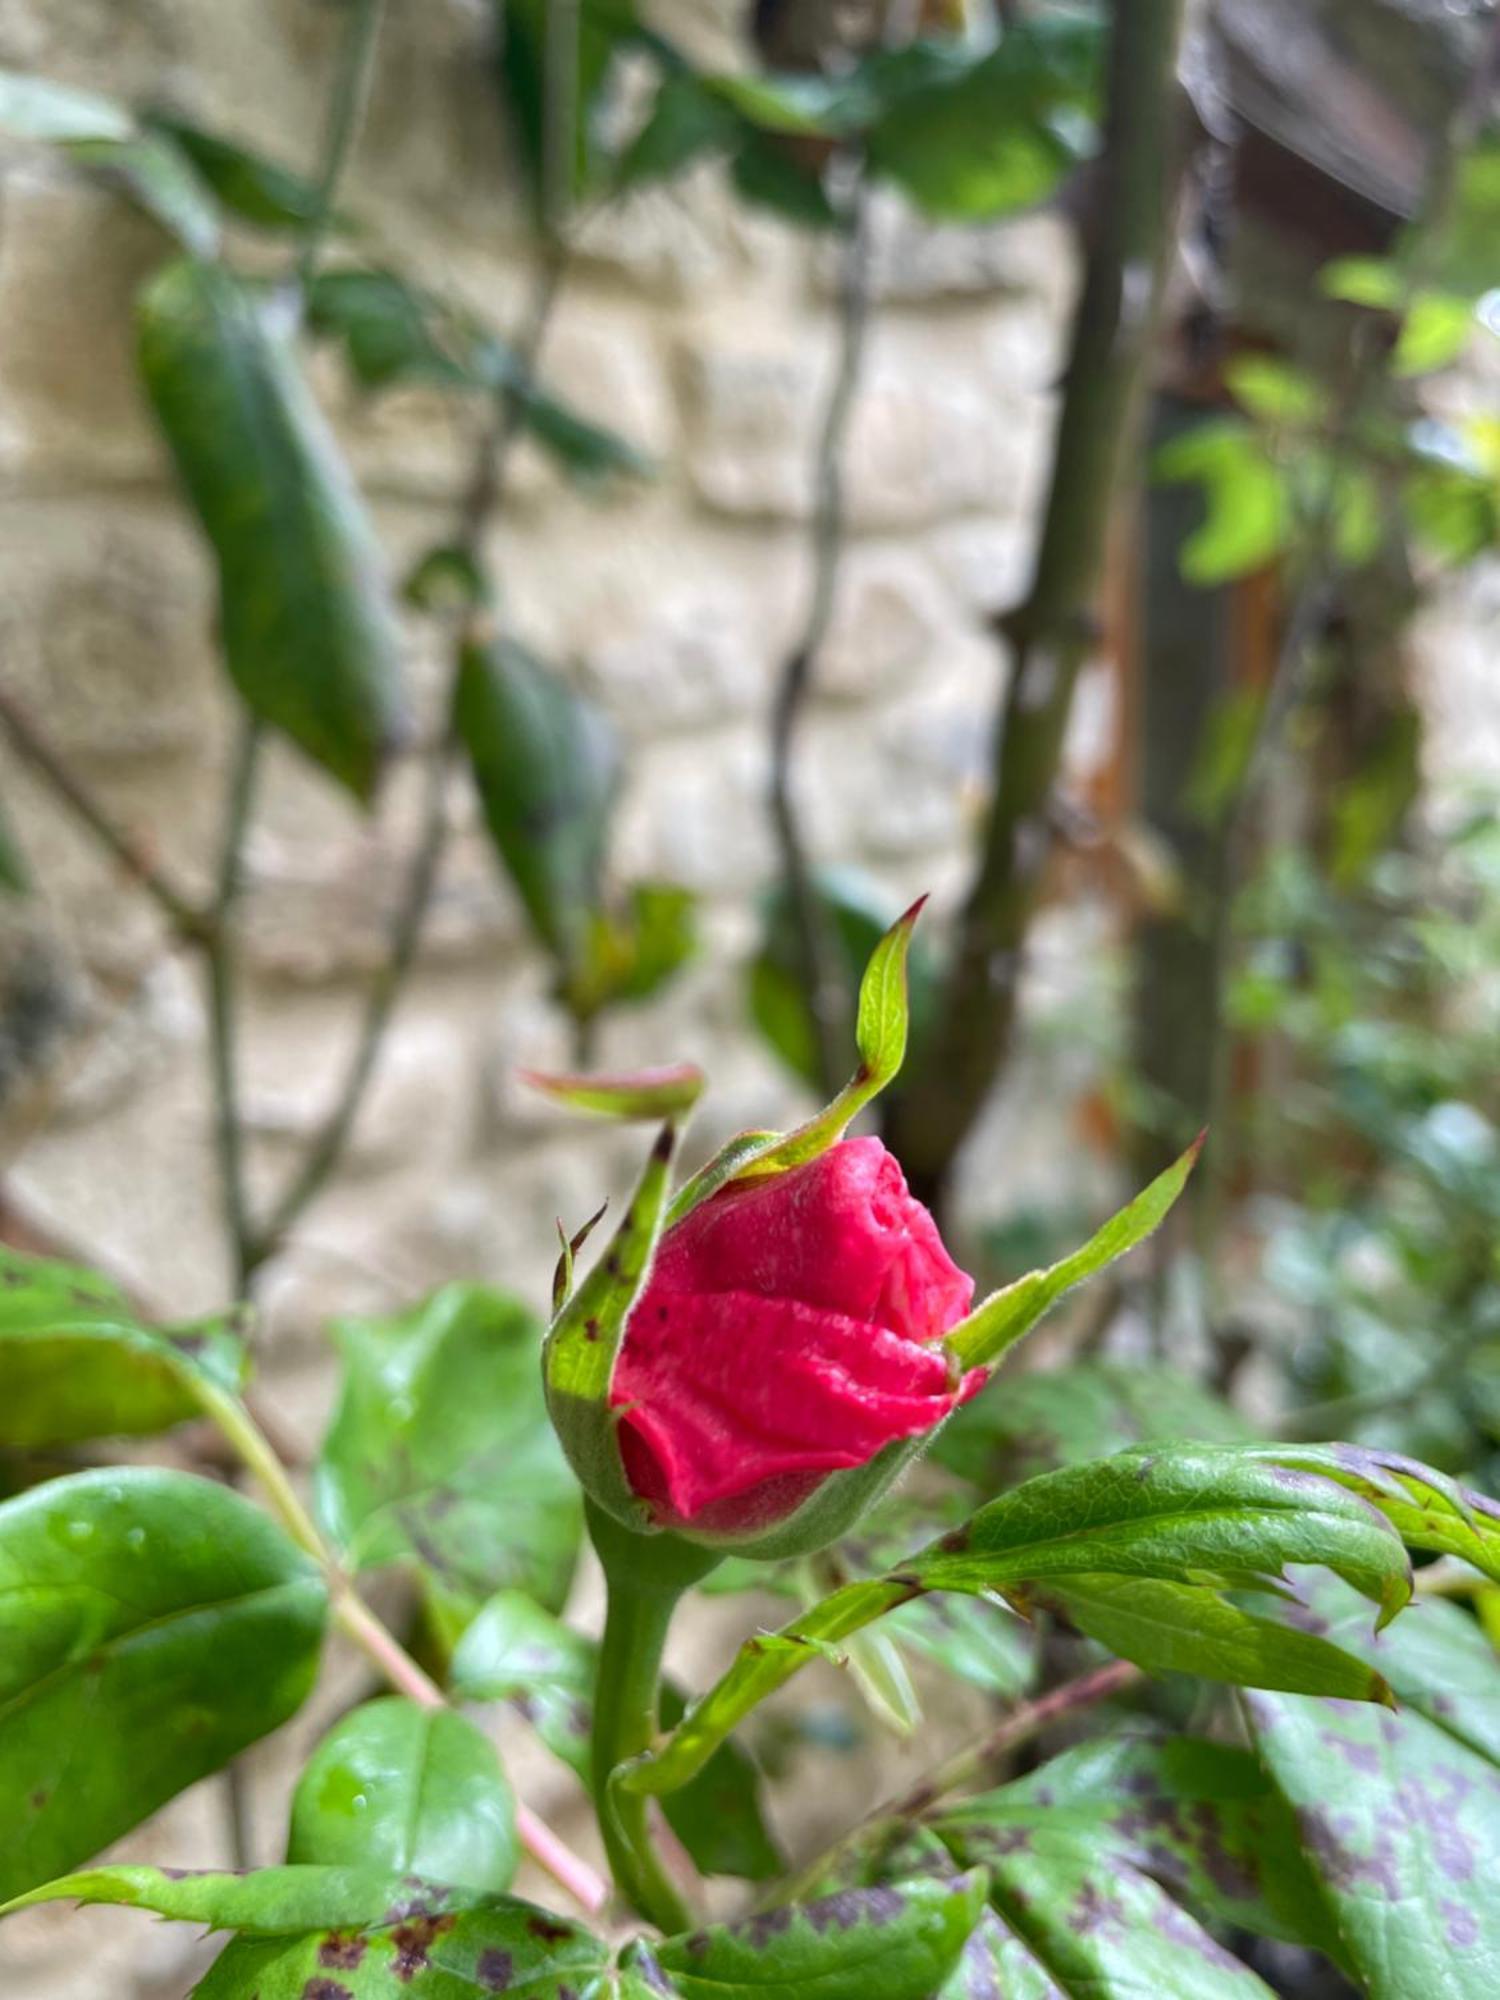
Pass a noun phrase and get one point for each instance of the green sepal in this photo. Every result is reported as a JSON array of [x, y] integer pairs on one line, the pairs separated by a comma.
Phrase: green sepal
[[880, 1031], [1007, 1316], [583, 1343]]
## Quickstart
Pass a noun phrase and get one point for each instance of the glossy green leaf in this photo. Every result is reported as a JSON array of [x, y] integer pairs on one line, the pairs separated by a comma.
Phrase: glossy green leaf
[[669, 1092], [264, 1902], [1176, 1628], [415, 1791], [547, 766], [151, 1626], [518, 1653], [999, 132], [76, 1361], [880, 1035], [1202, 1818], [1426, 1508], [31, 107], [321, 1933], [1049, 1418], [440, 1454], [161, 180], [308, 627], [893, 1943], [1401, 1821], [253, 188], [1214, 1517], [1009, 1315], [1078, 1922]]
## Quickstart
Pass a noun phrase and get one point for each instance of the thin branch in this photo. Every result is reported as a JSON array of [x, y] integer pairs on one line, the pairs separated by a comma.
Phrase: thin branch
[[827, 999], [969, 1766], [186, 917], [221, 964], [1052, 632], [345, 111]]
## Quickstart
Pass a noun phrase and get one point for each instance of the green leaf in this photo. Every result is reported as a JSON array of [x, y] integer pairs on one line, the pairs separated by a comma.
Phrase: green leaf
[[669, 1092], [686, 121], [151, 1626], [1060, 1417], [1200, 1817], [440, 1453], [894, 1943], [983, 137], [1427, 1509], [1077, 1922], [518, 1653], [630, 954], [880, 1032], [1436, 330], [1248, 518], [855, 917], [160, 180], [1211, 1516], [417, 1791], [250, 186], [585, 449], [1275, 391], [308, 627], [977, 1641], [1009, 1315], [319, 1933], [264, 1902], [1365, 281], [391, 331], [1175, 1628], [767, 173], [33, 108], [1401, 1821], [599, 31], [76, 1362], [547, 766]]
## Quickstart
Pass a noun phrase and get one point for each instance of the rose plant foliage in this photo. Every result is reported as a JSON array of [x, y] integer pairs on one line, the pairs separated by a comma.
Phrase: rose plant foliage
[[739, 1383]]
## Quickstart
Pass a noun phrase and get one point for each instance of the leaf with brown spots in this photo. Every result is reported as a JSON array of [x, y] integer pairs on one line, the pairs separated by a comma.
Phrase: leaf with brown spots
[[897, 1942]]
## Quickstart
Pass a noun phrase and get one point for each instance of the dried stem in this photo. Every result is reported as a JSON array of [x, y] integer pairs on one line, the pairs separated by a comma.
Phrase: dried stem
[[816, 947], [1051, 633]]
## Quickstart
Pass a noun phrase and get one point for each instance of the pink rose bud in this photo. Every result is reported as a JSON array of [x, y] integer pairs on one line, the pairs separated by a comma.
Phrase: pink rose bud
[[788, 1330]]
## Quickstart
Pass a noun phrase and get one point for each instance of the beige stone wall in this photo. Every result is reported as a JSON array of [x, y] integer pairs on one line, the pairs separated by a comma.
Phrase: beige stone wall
[[708, 338]]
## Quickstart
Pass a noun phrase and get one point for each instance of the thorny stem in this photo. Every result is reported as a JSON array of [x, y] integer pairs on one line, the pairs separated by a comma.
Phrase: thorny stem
[[828, 1002], [1051, 633], [967, 1767], [360, 1624]]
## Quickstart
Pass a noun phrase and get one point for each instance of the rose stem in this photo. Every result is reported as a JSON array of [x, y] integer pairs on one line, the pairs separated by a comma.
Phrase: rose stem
[[645, 1575]]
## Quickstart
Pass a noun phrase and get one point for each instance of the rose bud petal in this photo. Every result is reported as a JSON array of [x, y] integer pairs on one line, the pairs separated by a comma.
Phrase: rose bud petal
[[788, 1329]]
